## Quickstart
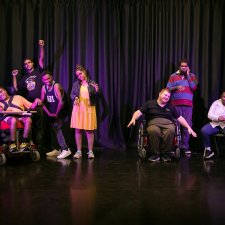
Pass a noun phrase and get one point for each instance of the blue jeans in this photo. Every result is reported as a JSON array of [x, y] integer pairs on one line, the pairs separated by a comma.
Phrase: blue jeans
[[206, 132], [186, 112]]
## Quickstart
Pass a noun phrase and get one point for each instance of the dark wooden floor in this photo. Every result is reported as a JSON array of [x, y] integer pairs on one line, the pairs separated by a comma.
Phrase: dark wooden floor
[[115, 188]]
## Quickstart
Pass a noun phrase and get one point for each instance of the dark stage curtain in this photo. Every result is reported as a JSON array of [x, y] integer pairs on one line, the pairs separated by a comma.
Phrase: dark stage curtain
[[130, 48]]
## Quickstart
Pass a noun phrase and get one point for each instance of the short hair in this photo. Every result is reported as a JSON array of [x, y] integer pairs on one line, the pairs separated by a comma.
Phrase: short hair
[[165, 89], [183, 61], [28, 59], [46, 72]]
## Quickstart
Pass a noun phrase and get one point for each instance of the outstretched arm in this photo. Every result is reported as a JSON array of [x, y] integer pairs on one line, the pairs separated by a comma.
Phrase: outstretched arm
[[41, 53], [135, 116], [184, 123]]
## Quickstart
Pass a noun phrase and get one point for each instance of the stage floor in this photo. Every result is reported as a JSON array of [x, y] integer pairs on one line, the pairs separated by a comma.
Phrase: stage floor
[[113, 189]]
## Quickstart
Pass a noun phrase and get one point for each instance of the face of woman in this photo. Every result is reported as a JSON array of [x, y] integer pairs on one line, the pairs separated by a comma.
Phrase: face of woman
[[81, 75]]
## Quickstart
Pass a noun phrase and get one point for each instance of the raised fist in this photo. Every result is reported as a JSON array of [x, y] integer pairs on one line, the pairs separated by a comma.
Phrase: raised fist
[[41, 42]]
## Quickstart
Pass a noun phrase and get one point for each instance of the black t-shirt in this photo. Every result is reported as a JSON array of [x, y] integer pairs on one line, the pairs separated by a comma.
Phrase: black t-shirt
[[30, 84], [151, 109]]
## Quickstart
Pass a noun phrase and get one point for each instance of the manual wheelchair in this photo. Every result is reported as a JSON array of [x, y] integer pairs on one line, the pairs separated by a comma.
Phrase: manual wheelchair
[[143, 142]]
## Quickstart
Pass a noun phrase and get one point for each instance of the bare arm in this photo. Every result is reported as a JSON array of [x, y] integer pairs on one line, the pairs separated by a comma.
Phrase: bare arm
[[41, 53], [36, 102], [58, 92], [184, 123], [14, 74], [135, 116]]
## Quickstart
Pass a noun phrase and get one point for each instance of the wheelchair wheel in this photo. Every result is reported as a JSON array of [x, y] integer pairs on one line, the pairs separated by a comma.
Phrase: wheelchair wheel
[[177, 153], [2, 159], [35, 155], [141, 148]]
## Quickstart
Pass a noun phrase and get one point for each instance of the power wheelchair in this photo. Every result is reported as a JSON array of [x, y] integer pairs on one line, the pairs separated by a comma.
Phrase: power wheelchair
[[4, 140], [143, 142]]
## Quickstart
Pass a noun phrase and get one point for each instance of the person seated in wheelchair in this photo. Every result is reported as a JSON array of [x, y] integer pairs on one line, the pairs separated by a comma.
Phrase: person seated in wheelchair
[[159, 114], [16, 103]]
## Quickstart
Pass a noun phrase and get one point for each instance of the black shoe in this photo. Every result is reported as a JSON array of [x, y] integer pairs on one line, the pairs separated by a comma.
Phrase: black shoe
[[186, 151], [165, 158], [154, 158], [208, 154]]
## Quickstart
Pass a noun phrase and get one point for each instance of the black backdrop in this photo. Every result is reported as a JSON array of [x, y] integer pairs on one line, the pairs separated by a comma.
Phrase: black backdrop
[[130, 48]]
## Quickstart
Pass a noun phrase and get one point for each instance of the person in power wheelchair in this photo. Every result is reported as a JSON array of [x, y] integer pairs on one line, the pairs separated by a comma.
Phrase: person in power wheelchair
[[159, 114], [16, 103]]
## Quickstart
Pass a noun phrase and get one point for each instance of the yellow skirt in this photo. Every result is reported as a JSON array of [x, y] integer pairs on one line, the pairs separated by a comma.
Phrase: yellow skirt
[[84, 116]]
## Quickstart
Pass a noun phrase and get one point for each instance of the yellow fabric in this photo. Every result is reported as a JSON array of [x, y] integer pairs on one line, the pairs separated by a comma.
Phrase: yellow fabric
[[18, 101], [84, 115]]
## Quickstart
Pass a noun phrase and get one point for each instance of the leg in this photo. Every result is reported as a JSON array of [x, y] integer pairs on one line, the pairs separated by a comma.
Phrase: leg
[[167, 138], [12, 124], [57, 129], [206, 132], [155, 134], [186, 112], [78, 138], [27, 126], [90, 137], [37, 131]]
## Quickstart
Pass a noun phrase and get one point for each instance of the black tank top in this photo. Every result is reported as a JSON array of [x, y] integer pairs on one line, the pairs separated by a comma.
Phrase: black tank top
[[51, 99]]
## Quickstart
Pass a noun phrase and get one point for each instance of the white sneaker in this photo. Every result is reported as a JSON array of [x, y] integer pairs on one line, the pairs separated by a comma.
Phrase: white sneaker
[[77, 155], [64, 154], [91, 155], [53, 153]]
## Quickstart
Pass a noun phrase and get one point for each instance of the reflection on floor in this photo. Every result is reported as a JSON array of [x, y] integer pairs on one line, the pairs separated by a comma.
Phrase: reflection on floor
[[115, 188]]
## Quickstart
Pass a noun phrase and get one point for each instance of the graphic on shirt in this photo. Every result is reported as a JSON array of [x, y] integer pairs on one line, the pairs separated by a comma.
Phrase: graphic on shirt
[[50, 98], [31, 83]]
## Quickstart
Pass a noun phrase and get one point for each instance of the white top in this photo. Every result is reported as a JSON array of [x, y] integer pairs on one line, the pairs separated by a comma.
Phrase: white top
[[217, 109]]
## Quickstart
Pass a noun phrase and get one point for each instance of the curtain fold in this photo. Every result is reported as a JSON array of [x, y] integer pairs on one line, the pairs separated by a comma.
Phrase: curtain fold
[[130, 48]]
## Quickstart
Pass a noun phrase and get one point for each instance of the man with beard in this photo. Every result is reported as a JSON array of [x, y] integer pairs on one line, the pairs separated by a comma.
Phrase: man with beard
[[159, 114], [29, 86], [182, 84]]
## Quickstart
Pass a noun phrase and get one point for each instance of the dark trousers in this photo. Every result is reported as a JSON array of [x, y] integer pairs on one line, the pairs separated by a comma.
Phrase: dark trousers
[[186, 112], [37, 128], [161, 137]]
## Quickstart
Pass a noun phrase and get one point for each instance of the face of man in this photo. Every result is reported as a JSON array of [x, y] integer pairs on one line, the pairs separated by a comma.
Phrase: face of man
[[28, 65], [47, 79], [3, 95], [184, 67], [164, 96], [223, 98]]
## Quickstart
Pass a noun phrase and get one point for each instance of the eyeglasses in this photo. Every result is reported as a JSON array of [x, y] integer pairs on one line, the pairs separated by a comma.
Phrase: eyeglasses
[[183, 66]]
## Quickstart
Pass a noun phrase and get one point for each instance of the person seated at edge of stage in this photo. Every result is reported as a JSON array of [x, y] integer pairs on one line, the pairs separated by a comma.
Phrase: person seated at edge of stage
[[160, 115], [217, 116], [17, 103]]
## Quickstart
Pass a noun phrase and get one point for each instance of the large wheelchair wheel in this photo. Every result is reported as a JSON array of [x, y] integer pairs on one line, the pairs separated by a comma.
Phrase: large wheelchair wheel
[[2, 159], [141, 141]]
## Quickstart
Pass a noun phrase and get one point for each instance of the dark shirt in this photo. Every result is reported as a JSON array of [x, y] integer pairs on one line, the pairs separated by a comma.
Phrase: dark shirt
[[151, 109], [52, 102], [30, 84], [75, 92]]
